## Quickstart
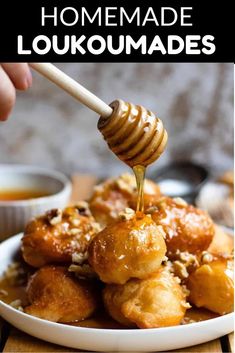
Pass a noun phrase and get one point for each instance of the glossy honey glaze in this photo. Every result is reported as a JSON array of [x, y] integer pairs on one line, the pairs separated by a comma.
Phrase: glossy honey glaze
[[21, 194], [10, 293]]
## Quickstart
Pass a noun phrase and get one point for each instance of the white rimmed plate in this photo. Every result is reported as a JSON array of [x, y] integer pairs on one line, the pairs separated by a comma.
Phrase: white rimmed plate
[[160, 339]]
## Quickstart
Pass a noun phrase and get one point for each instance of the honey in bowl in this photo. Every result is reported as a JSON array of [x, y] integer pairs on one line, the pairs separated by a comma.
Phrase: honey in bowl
[[21, 194]]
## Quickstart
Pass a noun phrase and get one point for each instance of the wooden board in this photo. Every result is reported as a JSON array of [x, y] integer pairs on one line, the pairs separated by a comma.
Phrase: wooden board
[[1, 330], [209, 347], [20, 342], [2, 333], [231, 342]]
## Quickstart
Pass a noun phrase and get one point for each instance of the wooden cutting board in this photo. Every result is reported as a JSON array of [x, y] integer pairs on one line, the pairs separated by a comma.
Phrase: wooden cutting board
[[13, 340]]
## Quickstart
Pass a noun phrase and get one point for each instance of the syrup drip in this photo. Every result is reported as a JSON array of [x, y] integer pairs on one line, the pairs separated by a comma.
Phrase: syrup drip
[[139, 171]]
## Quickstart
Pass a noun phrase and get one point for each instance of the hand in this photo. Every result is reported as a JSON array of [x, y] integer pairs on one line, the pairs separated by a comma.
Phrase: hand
[[12, 76]]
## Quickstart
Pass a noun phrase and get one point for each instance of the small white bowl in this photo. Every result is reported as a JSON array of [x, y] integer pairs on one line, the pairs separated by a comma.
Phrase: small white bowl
[[15, 214]]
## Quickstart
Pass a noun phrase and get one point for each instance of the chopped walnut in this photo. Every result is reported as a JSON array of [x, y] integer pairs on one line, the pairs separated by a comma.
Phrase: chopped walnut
[[206, 257], [151, 210], [190, 260], [83, 208], [187, 320], [3, 293], [15, 274], [75, 222], [96, 227], [185, 290], [127, 214], [79, 258], [84, 271], [169, 266], [183, 263], [54, 216], [74, 231], [185, 304], [177, 279], [180, 201], [17, 304], [180, 269], [126, 183]]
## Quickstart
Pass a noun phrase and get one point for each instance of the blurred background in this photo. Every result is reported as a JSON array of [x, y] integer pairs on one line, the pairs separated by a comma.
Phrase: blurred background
[[194, 100]]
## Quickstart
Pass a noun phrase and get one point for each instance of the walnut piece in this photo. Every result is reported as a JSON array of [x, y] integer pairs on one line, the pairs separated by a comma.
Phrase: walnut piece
[[82, 271], [127, 214], [179, 201], [83, 208], [126, 183], [17, 304], [54, 216], [206, 257], [79, 258], [180, 269], [3, 293]]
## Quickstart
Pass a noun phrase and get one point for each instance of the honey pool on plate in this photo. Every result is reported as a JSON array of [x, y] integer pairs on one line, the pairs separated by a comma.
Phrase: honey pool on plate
[[21, 194]]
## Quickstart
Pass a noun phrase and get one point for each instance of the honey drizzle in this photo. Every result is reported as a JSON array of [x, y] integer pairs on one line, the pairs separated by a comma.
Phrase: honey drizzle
[[139, 171]]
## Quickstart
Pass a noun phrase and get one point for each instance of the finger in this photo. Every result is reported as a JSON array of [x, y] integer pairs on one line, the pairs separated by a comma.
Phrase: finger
[[19, 74], [7, 95]]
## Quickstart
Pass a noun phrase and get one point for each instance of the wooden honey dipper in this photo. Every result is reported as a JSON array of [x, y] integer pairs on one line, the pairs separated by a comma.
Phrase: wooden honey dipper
[[132, 132]]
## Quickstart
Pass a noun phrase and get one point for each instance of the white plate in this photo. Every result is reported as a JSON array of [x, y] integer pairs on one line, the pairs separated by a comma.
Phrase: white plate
[[160, 339]]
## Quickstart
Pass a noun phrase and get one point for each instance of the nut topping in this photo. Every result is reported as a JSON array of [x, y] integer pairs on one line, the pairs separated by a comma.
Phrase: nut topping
[[54, 216]]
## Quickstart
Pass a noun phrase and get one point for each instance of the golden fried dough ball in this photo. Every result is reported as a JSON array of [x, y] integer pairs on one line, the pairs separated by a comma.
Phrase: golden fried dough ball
[[56, 295], [59, 236], [157, 301], [131, 248], [222, 243], [187, 228], [115, 194], [211, 285]]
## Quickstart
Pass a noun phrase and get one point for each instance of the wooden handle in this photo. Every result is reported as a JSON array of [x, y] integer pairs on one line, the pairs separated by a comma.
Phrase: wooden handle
[[73, 88]]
